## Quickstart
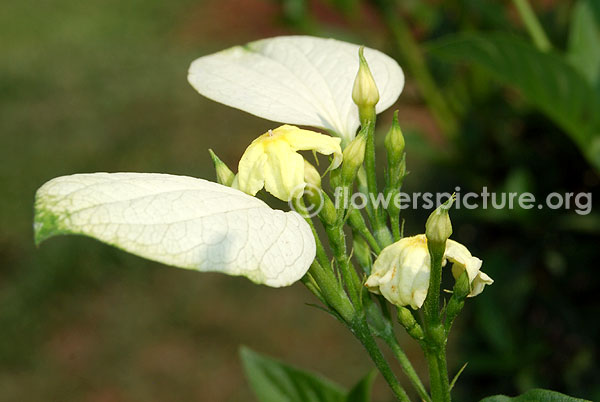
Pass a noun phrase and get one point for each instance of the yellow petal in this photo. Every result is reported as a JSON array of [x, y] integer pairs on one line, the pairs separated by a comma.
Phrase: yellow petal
[[479, 283], [283, 171], [250, 177], [304, 140], [462, 259], [401, 272]]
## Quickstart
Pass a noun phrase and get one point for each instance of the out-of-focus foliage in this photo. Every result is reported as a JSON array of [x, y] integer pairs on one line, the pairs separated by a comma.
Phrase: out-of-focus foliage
[[547, 80]]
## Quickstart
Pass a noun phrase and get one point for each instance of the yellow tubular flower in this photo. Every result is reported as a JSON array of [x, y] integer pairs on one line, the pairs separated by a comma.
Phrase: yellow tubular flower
[[401, 272], [272, 161]]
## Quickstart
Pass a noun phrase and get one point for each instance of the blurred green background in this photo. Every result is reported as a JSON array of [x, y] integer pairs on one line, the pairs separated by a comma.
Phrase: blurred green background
[[101, 86]]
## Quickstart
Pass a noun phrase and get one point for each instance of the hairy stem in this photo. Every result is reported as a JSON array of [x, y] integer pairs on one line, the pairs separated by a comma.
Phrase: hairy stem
[[362, 332], [435, 334], [408, 369]]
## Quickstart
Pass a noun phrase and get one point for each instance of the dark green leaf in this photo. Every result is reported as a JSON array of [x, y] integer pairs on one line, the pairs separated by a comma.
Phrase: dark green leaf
[[535, 395], [361, 392], [273, 381], [546, 79]]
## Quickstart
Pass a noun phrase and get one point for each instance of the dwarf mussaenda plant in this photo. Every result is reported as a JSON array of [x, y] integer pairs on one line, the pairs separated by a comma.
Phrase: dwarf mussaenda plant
[[196, 224]]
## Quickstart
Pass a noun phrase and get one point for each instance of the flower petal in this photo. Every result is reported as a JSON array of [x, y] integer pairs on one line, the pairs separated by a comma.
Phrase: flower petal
[[304, 140], [180, 221], [295, 79], [250, 177], [401, 272], [283, 171], [462, 259], [480, 281]]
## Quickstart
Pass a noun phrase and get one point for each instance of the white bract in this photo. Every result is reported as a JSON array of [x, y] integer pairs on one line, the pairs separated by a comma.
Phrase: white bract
[[180, 221], [296, 80]]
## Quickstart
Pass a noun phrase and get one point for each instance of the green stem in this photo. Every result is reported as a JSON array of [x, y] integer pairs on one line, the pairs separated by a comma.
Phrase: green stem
[[408, 369], [332, 292], [435, 381], [321, 254], [435, 334], [417, 66], [533, 26], [443, 372], [357, 222], [362, 332], [310, 283], [378, 221], [432, 301], [395, 222], [337, 240]]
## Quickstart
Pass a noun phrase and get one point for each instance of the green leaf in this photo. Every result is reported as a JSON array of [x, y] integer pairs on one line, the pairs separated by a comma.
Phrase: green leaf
[[547, 80], [534, 395], [584, 39], [273, 381], [361, 392]]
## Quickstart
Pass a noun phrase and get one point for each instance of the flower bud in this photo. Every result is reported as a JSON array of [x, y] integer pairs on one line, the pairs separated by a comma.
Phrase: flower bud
[[361, 180], [328, 213], [354, 155], [224, 175], [457, 301], [364, 93], [312, 177], [394, 143], [462, 287], [438, 227], [406, 318], [395, 175]]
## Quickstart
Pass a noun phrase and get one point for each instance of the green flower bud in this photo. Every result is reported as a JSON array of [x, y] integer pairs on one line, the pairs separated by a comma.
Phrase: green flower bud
[[312, 177], [394, 143], [438, 227], [224, 175], [361, 178], [354, 155], [364, 93], [328, 213], [462, 287], [406, 318], [396, 174]]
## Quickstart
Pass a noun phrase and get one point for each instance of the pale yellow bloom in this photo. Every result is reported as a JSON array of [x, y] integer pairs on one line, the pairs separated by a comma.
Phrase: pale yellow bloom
[[462, 260], [272, 161], [401, 272]]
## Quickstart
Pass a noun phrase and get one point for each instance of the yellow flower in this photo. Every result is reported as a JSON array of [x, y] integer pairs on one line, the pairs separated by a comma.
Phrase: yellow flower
[[271, 161], [462, 260], [401, 272]]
